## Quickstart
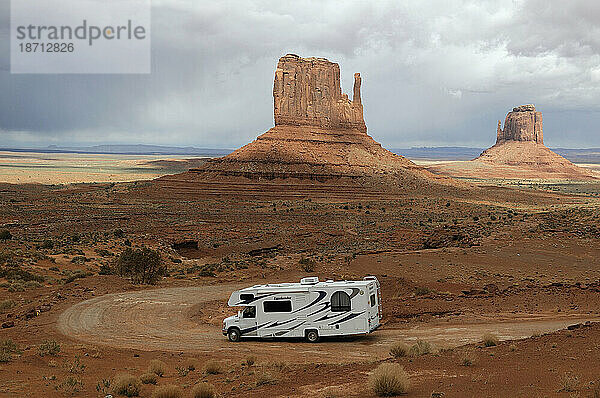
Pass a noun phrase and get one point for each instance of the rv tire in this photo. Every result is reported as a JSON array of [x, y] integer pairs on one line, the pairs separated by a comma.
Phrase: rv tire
[[234, 335], [312, 336]]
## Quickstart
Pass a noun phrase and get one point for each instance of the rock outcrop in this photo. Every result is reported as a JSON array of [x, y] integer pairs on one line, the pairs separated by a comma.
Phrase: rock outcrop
[[307, 92], [522, 124], [519, 153], [319, 134]]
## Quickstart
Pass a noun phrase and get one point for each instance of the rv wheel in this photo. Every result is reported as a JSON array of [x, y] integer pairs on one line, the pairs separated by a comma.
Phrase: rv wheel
[[234, 335], [312, 336]]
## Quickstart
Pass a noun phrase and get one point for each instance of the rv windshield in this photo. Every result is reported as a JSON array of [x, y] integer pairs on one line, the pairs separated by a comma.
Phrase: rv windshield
[[249, 312]]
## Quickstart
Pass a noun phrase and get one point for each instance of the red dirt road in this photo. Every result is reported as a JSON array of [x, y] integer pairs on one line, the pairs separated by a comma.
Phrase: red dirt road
[[161, 319]]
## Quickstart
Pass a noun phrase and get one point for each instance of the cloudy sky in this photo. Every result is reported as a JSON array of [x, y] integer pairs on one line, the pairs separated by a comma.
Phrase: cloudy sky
[[435, 73]]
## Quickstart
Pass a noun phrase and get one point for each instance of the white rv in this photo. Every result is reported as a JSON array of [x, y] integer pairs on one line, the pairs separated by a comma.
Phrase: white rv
[[309, 309]]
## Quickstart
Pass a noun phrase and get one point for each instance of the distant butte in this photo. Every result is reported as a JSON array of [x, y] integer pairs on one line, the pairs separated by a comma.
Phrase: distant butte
[[319, 135], [519, 152]]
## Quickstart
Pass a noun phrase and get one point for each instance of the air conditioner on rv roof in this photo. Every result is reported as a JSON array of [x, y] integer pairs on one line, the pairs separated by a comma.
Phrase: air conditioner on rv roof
[[312, 280]]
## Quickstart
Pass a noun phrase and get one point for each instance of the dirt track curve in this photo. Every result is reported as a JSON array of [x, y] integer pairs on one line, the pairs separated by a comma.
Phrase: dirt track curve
[[160, 320]]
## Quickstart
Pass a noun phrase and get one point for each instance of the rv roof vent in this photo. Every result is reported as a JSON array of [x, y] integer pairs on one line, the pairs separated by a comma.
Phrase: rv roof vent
[[329, 280], [312, 280]]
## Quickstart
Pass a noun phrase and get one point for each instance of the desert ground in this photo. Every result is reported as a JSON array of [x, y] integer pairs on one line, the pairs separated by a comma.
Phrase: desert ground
[[67, 168], [517, 261]]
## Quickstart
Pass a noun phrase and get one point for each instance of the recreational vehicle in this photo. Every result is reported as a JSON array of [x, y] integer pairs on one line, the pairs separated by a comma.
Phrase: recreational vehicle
[[309, 309]]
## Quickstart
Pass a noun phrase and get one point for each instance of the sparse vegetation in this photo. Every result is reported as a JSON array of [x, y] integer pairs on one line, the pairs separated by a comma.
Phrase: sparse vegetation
[[421, 348], [7, 349], [76, 366], [6, 305], [264, 378], [467, 361], [167, 391], [204, 390], [148, 378], [71, 385], [568, 383], [143, 266], [5, 234], [250, 360], [399, 350], [49, 347], [490, 340], [307, 264], [157, 367], [389, 379], [127, 385], [212, 367]]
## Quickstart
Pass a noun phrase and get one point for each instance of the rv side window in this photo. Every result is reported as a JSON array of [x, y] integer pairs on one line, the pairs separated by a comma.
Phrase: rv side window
[[277, 306], [372, 300], [340, 302], [246, 296]]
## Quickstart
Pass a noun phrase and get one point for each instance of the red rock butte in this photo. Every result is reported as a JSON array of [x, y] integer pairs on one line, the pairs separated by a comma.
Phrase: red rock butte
[[519, 153], [319, 135]]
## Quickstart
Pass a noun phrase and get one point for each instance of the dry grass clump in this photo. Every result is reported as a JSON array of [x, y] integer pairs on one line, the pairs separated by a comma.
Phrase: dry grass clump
[[490, 340], [127, 385], [7, 349], [399, 350], [204, 390], [167, 391], [421, 348], [250, 360], [6, 305], [264, 378], [212, 367], [148, 378], [467, 360], [49, 347], [389, 379], [157, 367], [568, 383]]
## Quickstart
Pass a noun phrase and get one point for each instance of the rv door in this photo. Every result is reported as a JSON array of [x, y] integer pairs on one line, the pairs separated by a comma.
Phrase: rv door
[[248, 323]]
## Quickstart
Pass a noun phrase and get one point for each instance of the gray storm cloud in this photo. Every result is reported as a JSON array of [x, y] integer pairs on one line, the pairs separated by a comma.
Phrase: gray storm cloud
[[434, 73]]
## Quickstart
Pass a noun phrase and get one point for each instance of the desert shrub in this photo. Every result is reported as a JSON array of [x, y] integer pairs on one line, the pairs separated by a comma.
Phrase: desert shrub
[[118, 233], [14, 274], [76, 366], [190, 365], [141, 265], [47, 244], [5, 234], [212, 367], [389, 379], [182, 371], [421, 348], [568, 383], [204, 390], [422, 291], [399, 350], [6, 305], [307, 264], [167, 391], [280, 366], [32, 284], [157, 367], [490, 340], [148, 378], [7, 349], [467, 360], [250, 360], [103, 386], [264, 378], [127, 385], [49, 347], [105, 270], [71, 385]]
